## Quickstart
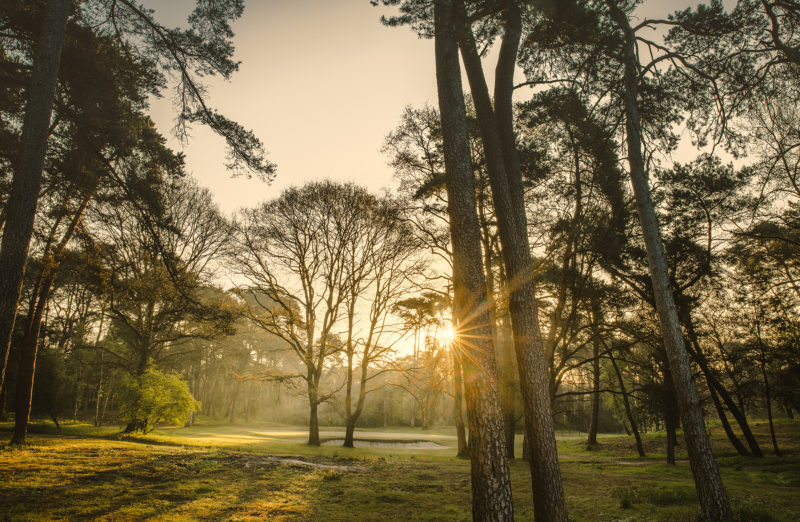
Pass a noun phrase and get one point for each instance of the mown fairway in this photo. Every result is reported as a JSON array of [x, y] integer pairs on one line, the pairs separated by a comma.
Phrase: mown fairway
[[231, 472]]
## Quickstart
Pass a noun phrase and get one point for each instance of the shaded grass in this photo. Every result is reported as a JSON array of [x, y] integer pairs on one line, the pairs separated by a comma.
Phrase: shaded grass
[[215, 472]]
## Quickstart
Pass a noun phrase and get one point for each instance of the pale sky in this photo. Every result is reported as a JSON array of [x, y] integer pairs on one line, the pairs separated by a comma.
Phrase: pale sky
[[321, 83]]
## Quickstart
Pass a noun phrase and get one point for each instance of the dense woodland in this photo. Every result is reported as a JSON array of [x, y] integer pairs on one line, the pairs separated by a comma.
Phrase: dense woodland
[[612, 244]]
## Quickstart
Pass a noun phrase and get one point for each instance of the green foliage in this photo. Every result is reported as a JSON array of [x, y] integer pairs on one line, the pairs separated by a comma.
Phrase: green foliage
[[156, 397]]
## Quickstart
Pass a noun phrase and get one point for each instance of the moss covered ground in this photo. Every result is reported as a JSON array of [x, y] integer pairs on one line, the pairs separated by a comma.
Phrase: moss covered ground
[[212, 471]]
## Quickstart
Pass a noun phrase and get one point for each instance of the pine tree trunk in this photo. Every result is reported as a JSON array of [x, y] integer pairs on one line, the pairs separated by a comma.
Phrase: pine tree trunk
[[491, 485], [27, 366], [711, 491], [628, 410], [458, 406], [505, 360], [23, 198], [505, 178], [734, 440], [596, 317], [716, 387], [767, 394], [669, 423]]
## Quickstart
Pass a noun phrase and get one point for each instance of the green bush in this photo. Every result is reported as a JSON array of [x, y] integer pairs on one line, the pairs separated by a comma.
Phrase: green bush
[[156, 397]]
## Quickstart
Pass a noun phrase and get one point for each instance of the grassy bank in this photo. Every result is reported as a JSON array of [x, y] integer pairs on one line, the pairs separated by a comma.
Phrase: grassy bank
[[219, 471]]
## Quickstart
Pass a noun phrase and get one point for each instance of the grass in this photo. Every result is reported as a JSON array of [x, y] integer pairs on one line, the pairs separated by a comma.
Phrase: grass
[[216, 471]]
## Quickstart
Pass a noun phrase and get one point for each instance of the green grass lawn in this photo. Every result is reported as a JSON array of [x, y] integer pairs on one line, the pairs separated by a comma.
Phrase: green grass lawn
[[217, 471]]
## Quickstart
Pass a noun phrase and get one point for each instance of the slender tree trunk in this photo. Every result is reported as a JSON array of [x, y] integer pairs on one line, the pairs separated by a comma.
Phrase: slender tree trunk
[[734, 440], [507, 193], [105, 407], [27, 367], [711, 491], [23, 198], [628, 410], [669, 424], [767, 395], [100, 378], [385, 403], [716, 387], [458, 406], [505, 360], [39, 299], [491, 484], [3, 413], [313, 420], [234, 398], [413, 397], [596, 315], [350, 422], [501, 352], [385, 411], [595, 418], [353, 415]]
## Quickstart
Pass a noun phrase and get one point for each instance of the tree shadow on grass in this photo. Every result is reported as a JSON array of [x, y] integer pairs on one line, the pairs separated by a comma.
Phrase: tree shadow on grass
[[181, 484]]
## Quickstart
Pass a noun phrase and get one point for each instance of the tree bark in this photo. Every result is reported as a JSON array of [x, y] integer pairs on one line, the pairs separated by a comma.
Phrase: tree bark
[[23, 198], [505, 177], [491, 485], [591, 440], [716, 387], [767, 394], [313, 420], [711, 491], [30, 343], [726, 426], [626, 402], [502, 348], [458, 406]]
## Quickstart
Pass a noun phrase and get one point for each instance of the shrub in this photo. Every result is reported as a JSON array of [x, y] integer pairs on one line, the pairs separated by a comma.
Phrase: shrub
[[156, 397]]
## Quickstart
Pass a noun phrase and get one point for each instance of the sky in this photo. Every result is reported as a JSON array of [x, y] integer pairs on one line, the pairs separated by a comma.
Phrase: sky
[[321, 83]]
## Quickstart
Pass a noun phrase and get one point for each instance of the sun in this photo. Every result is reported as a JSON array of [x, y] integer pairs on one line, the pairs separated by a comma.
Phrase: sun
[[446, 335]]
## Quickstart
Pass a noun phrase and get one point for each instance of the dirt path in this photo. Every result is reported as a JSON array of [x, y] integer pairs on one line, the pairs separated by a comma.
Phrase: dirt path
[[249, 461]]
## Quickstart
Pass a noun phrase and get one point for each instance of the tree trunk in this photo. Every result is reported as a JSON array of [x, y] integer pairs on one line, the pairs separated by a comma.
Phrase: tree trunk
[[734, 440], [669, 424], [716, 387], [312, 380], [27, 366], [349, 433], [502, 351], [767, 395], [234, 399], [3, 413], [23, 198], [313, 425], [591, 440], [626, 402], [458, 406], [491, 484], [505, 359], [711, 491], [507, 193]]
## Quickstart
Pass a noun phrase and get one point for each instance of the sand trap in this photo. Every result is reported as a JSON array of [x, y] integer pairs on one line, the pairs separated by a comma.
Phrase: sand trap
[[394, 444]]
